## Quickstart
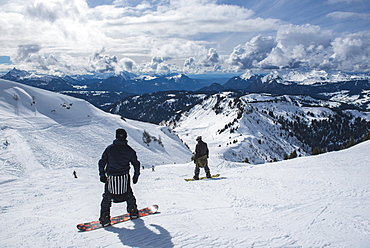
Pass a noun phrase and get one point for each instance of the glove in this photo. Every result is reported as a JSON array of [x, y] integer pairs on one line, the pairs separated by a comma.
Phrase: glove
[[135, 178], [103, 178]]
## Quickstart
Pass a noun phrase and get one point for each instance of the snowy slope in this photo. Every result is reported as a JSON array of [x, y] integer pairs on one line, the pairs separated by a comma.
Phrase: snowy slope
[[59, 131], [249, 128], [317, 201]]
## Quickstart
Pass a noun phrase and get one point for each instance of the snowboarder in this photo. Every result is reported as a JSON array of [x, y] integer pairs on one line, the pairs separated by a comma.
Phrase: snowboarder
[[114, 167], [200, 158], [75, 174]]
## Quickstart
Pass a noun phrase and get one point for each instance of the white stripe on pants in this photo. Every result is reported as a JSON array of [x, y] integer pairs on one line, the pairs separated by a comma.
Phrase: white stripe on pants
[[117, 185]]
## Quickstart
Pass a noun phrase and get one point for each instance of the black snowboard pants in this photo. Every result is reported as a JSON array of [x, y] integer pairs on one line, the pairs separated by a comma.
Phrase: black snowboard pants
[[127, 197]]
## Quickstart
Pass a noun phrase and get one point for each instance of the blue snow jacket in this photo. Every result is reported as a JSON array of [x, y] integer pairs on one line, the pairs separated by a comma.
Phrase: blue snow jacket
[[116, 159]]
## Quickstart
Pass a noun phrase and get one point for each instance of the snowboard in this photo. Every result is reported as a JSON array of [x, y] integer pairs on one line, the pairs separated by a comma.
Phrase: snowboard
[[88, 226], [201, 178]]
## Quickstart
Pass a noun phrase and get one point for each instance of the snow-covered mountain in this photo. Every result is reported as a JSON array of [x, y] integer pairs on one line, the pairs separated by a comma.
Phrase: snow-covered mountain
[[49, 82], [57, 131], [316, 201], [146, 84], [156, 107], [122, 82], [351, 89], [260, 128], [254, 128], [103, 90]]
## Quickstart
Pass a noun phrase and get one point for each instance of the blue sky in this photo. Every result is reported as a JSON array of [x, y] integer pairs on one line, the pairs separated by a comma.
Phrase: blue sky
[[192, 36], [315, 12]]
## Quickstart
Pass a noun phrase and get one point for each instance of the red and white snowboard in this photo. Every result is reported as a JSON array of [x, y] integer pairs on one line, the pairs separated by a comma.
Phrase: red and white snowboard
[[88, 226]]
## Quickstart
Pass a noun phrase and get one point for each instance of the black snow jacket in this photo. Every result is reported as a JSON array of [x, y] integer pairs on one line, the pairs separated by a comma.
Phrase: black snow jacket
[[201, 149], [116, 159]]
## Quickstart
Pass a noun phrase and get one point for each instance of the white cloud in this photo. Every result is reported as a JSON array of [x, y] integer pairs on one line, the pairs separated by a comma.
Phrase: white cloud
[[210, 61], [306, 35], [60, 34], [308, 46], [30, 56], [53, 10], [158, 65], [250, 54], [57, 25], [24, 51], [103, 63], [346, 1], [128, 64], [212, 58], [179, 48], [352, 51], [297, 46], [340, 15]]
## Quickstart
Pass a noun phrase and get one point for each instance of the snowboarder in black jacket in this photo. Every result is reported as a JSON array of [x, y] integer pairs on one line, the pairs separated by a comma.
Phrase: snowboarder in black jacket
[[114, 167], [200, 158]]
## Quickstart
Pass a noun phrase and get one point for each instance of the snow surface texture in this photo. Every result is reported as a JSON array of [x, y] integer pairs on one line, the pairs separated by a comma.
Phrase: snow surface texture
[[317, 201]]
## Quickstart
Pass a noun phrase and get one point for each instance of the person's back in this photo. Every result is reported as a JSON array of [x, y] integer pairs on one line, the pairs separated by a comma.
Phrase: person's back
[[117, 158], [201, 149], [200, 158], [114, 167]]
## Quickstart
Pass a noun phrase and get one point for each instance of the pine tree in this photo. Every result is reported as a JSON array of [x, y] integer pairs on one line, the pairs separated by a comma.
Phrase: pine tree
[[316, 151], [351, 142]]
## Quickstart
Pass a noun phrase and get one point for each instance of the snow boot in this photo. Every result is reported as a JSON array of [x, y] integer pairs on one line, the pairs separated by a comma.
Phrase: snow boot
[[104, 219], [134, 213], [196, 177], [208, 175]]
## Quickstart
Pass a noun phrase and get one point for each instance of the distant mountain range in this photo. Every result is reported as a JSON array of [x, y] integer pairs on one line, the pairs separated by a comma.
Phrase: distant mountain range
[[104, 90], [345, 88], [108, 91], [350, 91], [242, 126], [123, 82]]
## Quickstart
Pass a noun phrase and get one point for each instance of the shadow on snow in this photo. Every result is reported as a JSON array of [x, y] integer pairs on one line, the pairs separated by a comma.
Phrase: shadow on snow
[[142, 236]]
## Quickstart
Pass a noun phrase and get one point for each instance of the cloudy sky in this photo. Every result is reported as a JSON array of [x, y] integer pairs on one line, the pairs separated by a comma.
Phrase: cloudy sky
[[191, 36]]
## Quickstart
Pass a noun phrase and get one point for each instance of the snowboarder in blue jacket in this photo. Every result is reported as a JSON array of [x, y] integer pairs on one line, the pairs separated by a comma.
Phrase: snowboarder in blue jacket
[[114, 167]]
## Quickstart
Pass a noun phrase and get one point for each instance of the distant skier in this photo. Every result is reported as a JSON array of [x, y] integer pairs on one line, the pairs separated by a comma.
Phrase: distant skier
[[114, 167], [200, 158], [75, 174]]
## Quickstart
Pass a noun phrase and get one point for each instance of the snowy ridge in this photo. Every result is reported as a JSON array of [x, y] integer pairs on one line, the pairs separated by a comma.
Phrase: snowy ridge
[[59, 130], [251, 128], [309, 77], [316, 201], [315, 76], [350, 89], [123, 81], [236, 135]]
